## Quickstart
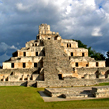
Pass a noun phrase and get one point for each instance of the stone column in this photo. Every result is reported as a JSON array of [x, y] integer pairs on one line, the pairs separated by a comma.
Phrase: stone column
[[8, 78], [28, 77], [3, 78], [22, 77]]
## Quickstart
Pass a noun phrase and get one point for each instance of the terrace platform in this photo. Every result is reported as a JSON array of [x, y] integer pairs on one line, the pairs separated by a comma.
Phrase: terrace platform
[[74, 93]]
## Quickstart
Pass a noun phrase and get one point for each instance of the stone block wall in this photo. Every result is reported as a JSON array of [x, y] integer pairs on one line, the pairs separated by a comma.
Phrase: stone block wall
[[100, 92], [76, 52], [92, 64], [31, 52], [6, 65], [69, 43], [101, 63], [70, 83], [32, 43], [19, 74], [13, 83], [103, 71], [29, 63]]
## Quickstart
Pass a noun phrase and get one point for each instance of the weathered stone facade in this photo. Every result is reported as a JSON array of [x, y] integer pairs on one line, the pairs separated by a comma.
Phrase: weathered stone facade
[[50, 59], [79, 92]]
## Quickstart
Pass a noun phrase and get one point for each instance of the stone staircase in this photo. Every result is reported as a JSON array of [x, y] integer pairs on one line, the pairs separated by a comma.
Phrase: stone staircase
[[55, 60]]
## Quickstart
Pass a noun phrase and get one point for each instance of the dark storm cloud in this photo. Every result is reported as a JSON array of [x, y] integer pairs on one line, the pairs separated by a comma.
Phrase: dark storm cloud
[[73, 19]]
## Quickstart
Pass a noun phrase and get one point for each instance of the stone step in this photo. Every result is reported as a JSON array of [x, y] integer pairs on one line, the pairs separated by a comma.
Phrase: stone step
[[74, 95], [55, 58]]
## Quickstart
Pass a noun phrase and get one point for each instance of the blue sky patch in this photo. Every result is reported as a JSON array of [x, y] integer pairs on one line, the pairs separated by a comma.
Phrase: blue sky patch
[[100, 7]]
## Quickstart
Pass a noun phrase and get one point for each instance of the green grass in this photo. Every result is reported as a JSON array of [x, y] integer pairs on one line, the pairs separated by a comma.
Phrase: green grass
[[103, 84], [12, 97]]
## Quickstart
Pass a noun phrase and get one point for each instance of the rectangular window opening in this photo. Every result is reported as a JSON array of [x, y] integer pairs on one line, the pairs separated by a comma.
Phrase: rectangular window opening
[[68, 45], [86, 65], [35, 64], [76, 64], [60, 76], [82, 54], [24, 53], [23, 65], [71, 53], [96, 64], [36, 53], [12, 65]]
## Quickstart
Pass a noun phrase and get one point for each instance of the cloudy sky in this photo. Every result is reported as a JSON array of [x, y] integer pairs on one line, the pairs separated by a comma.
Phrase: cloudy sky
[[85, 20]]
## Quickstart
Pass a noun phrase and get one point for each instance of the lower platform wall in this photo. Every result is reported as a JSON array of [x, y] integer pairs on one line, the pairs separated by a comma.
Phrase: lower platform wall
[[15, 83], [58, 83], [70, 83], [18, 74]]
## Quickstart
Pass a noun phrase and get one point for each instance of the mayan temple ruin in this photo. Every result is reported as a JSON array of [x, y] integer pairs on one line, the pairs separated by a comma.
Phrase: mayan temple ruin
[[50, 61]]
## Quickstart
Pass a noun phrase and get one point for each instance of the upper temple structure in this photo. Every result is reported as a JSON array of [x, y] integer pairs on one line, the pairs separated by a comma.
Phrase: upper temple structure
[[50, 61]]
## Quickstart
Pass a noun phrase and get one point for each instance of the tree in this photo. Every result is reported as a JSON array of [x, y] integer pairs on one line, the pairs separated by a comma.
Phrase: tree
[[80, 44], [107, 54], [107, 59], [92, 53], [98, 56]]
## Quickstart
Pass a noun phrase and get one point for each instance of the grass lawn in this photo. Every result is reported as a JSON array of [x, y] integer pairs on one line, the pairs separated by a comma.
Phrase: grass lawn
[[19, 97], [103, 84]]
